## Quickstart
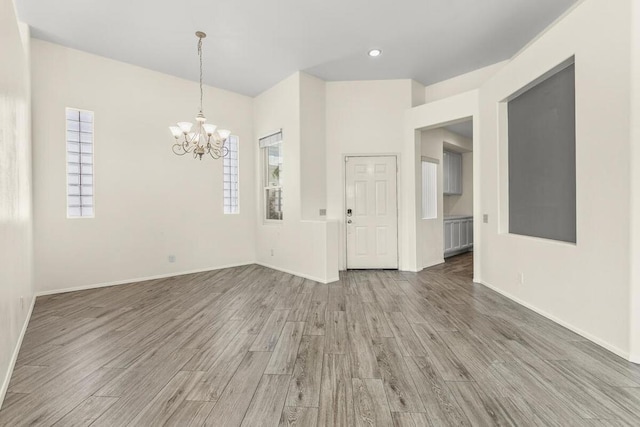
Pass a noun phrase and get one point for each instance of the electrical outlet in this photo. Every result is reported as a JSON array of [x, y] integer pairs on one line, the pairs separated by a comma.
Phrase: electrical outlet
[[521, 278], [323, 212], [171, 258], [271, 252], [485, 218]]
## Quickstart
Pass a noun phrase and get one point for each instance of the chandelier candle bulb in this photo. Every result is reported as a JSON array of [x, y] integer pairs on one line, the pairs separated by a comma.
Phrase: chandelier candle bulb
[[203, 138]]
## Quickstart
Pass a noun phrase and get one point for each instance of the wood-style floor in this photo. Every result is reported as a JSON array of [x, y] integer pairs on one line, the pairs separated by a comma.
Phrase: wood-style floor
[[255, 347]]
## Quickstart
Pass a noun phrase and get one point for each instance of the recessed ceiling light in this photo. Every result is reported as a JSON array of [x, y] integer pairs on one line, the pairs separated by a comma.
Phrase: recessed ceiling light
[[375, 52]]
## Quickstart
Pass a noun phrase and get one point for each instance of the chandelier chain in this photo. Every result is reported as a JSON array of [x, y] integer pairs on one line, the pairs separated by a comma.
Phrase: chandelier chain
[[200, 55]]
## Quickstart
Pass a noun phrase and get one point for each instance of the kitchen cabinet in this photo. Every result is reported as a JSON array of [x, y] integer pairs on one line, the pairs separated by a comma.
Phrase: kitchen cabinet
[[458, 235], [452, 172]]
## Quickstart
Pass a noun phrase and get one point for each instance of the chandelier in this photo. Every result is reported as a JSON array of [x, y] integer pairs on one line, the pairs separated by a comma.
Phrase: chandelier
[[205, 138]]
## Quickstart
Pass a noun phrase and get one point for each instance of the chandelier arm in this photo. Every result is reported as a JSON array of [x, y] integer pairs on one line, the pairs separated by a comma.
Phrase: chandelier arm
[[178, 150], [215, 151], [187, 148]]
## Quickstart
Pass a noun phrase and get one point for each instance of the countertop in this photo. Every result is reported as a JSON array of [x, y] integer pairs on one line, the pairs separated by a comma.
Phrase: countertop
[[452, 217]]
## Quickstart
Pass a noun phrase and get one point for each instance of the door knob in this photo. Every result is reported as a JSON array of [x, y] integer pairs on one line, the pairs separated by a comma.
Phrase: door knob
[[349, 221]]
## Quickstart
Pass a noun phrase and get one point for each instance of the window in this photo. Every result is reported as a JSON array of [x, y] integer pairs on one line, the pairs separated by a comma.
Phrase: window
[[231, 177], [542, 157], [272, 175], [429, 188], [80, 202]]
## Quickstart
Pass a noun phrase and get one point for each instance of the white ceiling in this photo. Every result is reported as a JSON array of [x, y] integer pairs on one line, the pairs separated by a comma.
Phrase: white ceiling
[[253, 44]]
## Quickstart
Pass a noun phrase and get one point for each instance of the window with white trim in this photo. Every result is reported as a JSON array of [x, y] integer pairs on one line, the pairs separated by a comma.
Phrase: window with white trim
[[80, 202], [429, 188], [272, 156], [231, 177]]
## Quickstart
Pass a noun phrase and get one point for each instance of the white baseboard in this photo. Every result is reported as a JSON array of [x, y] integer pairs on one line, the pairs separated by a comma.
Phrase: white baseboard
[[138, 279], [612, 348], [433, 262], [14, 356], [296, 273]]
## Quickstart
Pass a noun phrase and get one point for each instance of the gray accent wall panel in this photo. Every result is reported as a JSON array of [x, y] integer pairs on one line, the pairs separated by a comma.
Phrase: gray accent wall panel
[[542, 159]]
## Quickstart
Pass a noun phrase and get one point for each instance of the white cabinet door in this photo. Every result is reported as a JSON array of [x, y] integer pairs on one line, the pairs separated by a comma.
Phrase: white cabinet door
[[457, 173], [452, 172], [446, 170], [447, 235], [455, 235], [464, 235]]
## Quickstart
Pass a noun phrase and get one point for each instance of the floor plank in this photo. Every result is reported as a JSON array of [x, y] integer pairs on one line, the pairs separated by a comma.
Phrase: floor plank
[[398, 383], [298, 417], [215, 379], [440, 405], [284, 354], [87, 412], [316, 320], [190, 414], [166, 402], [237, 396], [336, 398], [268, 336], [304, 388], [268, 401], [337, 342], [371, 407]]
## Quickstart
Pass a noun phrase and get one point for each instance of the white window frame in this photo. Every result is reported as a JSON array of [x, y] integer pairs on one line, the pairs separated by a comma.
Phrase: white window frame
[[271, 140], [429, 188], [93, 174], [233, 146]]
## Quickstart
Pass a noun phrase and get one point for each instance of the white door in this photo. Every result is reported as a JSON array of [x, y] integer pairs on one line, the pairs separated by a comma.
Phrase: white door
[[371, 212]]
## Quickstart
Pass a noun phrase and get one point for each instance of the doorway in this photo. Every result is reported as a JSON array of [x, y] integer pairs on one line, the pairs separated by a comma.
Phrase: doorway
[[449, 229], [371, 214]]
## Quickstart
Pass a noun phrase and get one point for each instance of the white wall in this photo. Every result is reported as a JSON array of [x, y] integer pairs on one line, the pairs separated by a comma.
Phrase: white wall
[[430, 231], [365, 118], [634, 253], [313, 147], [584, 286], [303, 247], [16, 219], [149, 203], [462, 83]]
